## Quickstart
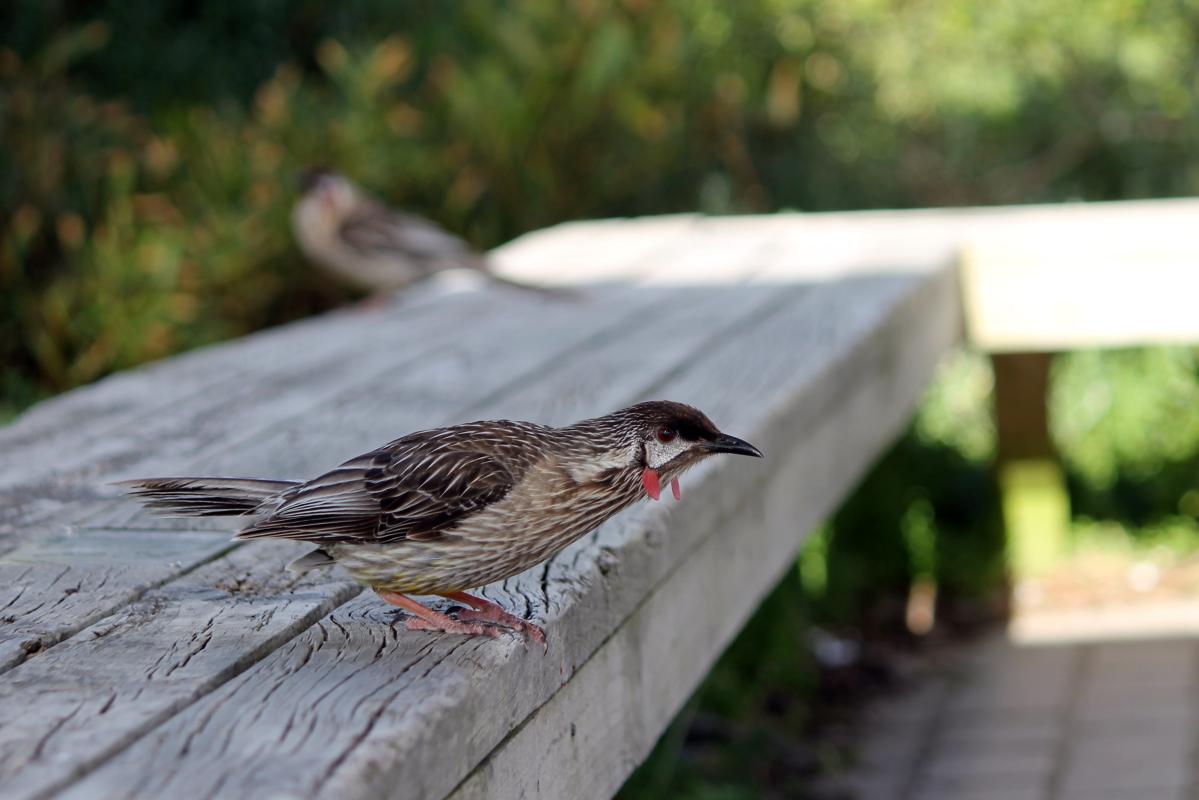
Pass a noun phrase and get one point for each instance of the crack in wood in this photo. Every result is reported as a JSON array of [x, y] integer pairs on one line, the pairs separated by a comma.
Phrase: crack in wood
[[381, 709]]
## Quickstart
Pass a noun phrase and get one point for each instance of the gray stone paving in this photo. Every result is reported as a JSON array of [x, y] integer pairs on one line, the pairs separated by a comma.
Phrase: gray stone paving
[[1099, 719]]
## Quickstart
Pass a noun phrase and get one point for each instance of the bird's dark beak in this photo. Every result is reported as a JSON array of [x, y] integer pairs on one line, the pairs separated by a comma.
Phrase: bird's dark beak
[[731, 444]]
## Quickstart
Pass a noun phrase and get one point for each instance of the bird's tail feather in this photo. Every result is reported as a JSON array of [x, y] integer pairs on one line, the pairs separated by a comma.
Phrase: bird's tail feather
[[206, 497]]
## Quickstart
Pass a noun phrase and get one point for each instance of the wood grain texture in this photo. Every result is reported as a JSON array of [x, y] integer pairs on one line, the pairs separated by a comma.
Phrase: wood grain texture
[[410, 740], [84, 426], [450, 372], [592, 733], [483, 360], [362, 653], [148, 657], [126, 398], [62, 481], [62, 582], [65, 710], [37, 614], [488, 358]]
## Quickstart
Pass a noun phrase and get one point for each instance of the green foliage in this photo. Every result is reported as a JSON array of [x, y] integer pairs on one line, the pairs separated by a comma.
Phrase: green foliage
[[149, 147], [929, 510], [116, 251], [923, 512], [1126, 425]]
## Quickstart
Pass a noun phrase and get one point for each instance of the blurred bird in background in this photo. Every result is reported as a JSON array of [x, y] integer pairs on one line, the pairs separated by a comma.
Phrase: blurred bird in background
[[357, 238], [449, 509]]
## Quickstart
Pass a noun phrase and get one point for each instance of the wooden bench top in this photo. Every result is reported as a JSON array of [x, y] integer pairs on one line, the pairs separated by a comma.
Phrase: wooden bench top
[[151, 657]]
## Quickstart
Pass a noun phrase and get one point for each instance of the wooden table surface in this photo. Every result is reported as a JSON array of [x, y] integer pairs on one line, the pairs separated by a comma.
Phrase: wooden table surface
[[151, 657]]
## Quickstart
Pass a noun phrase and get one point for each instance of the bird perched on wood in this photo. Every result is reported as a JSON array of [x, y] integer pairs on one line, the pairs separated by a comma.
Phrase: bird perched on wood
[[362, 241], [442, 511]]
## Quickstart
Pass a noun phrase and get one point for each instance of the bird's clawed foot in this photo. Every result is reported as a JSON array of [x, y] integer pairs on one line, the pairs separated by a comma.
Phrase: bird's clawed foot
[[451, 625], [480, 618], [486, 612], [426, 619]]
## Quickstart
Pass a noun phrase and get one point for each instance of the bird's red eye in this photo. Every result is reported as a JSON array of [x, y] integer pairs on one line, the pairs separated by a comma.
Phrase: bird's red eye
[[666, 435]]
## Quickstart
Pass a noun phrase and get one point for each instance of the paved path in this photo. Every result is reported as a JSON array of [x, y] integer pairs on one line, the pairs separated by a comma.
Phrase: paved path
[[1075, 706]]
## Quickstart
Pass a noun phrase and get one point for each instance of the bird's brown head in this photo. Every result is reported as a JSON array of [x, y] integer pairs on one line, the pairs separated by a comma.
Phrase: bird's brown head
[[330, 193], [673, 436]]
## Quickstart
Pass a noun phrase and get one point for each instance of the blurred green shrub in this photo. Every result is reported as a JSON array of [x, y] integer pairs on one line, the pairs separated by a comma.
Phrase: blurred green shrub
[[928, 511], [1127, 424], [149, 147]]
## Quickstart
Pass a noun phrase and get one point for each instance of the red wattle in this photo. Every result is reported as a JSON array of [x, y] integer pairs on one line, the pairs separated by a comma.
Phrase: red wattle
[[674, 488], [649, 479]]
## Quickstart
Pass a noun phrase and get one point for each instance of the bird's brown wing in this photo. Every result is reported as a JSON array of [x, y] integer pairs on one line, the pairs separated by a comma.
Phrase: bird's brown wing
[[374, 230], [420, 495], [415, 487]]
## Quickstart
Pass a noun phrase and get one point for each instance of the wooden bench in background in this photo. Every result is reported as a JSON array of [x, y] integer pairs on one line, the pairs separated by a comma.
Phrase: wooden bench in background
[[156, 658]]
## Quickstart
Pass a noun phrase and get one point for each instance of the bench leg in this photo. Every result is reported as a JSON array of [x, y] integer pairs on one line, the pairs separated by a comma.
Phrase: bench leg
[[1036, 503]]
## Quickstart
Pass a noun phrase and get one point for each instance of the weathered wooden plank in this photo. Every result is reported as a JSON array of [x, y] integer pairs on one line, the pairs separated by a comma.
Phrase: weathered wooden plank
[[290, 385], [590, 735], [86, 698], [24, 514], [76, 425], [484, 360], [371, 725], [1056, 277], [38, 614], [645, 551], [1108, 289], [392, 718], [57, 584], [1035, 278], [64, 485], [484, 365], [290, 452], [663, 324]]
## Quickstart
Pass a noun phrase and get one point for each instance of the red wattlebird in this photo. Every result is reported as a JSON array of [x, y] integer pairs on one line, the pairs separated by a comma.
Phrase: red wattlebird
[[442, 511]]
